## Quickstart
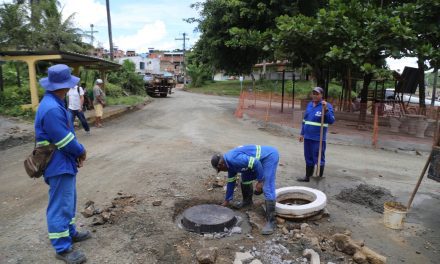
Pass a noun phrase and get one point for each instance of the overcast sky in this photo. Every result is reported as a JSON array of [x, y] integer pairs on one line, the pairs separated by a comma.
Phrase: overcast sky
[[143, 24], [136, 24]]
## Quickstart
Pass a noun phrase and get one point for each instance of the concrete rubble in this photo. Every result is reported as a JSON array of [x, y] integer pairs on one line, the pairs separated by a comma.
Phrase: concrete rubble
[[207, 255]]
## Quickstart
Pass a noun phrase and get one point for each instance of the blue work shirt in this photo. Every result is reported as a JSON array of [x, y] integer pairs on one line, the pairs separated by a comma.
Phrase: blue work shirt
[[311, 124], [54, 125], [245, 159]]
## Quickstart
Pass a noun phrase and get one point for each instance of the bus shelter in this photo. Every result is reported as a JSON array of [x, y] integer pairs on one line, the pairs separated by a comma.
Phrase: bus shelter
[[72, 59]]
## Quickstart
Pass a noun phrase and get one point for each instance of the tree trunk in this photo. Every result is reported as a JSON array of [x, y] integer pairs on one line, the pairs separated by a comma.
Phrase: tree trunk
[[434, 87], [17, 69], [364, 97], [421, 66], [319, 76], [1, 78]]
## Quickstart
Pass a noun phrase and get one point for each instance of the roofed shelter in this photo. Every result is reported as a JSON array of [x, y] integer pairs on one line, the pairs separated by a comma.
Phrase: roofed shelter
[[74, 60]]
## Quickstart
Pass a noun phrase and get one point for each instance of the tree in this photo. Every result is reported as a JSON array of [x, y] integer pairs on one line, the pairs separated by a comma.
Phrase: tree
[[423, 42], [237, 34], [14, 27]]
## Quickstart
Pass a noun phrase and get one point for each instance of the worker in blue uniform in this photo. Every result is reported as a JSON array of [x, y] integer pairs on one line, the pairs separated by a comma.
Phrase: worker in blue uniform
[[310, 132], [253, 162], [53, 125]]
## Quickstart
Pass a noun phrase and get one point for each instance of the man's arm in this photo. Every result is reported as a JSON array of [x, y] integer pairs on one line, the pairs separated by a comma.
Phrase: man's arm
[[56, 125], [232, 177]]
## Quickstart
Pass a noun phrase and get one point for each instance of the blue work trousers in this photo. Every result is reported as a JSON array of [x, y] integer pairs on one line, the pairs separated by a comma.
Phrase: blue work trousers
[[81, 117], [311, 152], [61, 209], [270, 165]]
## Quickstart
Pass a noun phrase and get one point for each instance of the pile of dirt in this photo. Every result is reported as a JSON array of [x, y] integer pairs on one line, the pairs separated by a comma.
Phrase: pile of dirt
[[121, 205], [371, 196]]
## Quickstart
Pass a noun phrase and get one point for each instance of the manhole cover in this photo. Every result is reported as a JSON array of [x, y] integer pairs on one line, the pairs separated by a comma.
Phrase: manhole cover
[[208, 218]]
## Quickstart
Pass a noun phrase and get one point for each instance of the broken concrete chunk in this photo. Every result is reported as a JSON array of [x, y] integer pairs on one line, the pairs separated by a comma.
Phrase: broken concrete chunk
[[207, 255], [242, 257], [280, 221], [312, 256], [256, 261], [236, 230], [88, 212], [157, 203]]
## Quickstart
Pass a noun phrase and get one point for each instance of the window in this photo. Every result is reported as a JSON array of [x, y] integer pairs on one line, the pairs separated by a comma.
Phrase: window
[[142, 65]]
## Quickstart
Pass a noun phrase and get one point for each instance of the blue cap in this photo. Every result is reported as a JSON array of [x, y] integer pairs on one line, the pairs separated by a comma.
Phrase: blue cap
[[59, 77]]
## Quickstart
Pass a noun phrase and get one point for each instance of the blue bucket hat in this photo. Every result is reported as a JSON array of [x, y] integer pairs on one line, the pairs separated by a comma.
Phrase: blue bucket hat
[[59, 77]]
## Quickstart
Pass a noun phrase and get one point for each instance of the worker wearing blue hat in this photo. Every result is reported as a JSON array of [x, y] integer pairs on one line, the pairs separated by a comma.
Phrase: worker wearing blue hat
[[53, 125], [311, 132]]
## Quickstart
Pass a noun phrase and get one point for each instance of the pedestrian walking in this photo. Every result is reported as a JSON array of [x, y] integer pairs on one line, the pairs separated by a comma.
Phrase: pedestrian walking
[[253, 162], [311, 134], [53, 125], [76, 103]]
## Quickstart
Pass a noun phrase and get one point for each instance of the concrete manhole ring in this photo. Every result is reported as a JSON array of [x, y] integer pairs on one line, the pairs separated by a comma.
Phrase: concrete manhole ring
[[299, 202], [208, 218]]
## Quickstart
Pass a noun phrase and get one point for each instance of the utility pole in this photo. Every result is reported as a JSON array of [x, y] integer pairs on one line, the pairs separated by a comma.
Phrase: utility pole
[[91, 34], [109, 25], [184, 65]]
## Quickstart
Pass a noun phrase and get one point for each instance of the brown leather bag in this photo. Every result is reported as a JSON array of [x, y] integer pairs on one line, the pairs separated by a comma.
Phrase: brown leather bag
[[37, 161]]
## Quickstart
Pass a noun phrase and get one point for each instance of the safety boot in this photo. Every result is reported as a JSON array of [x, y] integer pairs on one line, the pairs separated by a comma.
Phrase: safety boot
[[321, 171], [81, 236], [309, 173], [270, 225], [72, 256], [247, 190]]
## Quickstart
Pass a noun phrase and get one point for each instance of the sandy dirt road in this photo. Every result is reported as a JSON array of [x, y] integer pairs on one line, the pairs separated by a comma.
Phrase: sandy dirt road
[[162, 152]]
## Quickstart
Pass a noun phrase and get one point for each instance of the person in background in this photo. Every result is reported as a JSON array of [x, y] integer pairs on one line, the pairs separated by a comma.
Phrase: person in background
[[76, 102], [99, 102]]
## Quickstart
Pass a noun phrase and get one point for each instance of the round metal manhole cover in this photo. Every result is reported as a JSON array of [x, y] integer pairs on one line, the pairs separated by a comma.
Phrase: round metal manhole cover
[[208, 218]]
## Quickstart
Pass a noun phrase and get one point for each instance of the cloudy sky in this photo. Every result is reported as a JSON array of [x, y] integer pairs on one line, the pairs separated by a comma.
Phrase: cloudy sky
[[136, 24]]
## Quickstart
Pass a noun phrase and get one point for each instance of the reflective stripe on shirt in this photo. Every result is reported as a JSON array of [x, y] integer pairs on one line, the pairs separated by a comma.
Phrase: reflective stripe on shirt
[[314, 123], [63, 142]]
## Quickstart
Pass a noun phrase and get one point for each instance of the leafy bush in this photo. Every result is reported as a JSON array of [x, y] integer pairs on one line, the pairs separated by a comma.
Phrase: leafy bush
[[198, 74], [128, 79], [113, 90]]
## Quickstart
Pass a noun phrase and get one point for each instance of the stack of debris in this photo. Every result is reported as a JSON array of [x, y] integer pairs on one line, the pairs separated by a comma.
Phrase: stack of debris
[[120, 205]]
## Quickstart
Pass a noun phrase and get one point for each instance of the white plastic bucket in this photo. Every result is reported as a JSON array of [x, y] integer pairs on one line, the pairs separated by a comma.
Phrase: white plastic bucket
[[394, 215]]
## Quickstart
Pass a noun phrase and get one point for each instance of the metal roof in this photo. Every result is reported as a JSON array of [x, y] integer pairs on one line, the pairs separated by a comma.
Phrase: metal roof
[[67, 57]]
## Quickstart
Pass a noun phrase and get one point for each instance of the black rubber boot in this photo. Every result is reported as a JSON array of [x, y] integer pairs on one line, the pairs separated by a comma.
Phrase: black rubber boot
[[321, 171], [72, 256], [271, 224], [247, 190], [81, 236], [309, 173]]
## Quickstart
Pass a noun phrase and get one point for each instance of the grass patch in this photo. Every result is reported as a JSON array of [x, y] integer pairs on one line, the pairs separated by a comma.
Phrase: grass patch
[[125, 100], [232, 88]]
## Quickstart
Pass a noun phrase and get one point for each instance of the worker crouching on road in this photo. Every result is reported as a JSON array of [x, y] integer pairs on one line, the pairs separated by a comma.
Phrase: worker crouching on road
[[53, 125], [310, 132], [254, 162]]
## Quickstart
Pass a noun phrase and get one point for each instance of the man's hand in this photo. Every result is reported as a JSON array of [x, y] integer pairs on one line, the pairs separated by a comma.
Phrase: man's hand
[[81, 159], [301, 138], [324, 105], [225, 204], [259, 188]]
